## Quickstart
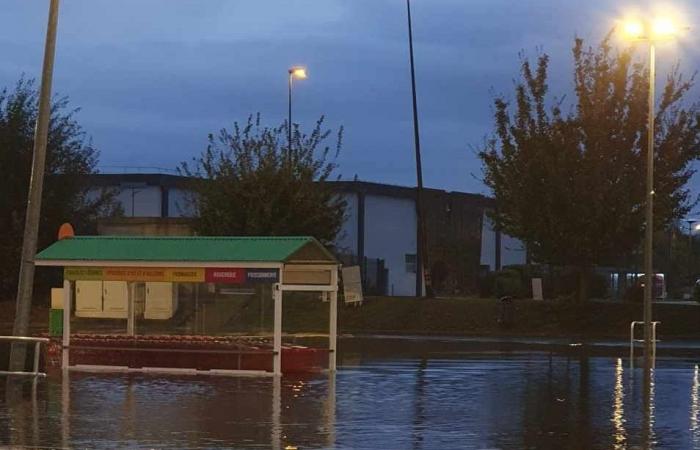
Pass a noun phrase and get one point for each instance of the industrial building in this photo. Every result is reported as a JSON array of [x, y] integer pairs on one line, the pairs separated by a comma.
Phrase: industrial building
[[379, 234]]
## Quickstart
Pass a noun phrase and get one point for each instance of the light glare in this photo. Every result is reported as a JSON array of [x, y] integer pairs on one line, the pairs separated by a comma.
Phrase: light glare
[[663, 27], [298, 72], [634, 29]]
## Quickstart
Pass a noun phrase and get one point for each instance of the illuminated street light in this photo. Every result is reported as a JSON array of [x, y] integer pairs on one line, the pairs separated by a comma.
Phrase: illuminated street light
[[658, 29], [299, 73], [663, 28], [633, 30]]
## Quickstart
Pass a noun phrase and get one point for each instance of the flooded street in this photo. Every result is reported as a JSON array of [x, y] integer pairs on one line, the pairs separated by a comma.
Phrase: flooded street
[[475, 400]]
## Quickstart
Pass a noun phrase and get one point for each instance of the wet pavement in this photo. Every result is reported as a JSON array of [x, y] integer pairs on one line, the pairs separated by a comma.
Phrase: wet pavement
[[388, 394]]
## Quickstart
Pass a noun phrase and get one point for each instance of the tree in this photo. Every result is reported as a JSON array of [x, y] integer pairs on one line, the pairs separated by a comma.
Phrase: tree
[[571, 185], [248, 182], [66, 197]]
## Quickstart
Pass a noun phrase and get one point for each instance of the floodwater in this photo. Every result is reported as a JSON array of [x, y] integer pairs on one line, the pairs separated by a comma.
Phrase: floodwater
[[431, 400]]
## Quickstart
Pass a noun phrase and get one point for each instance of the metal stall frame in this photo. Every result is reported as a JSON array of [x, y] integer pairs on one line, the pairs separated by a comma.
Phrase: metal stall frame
[[332, 289]]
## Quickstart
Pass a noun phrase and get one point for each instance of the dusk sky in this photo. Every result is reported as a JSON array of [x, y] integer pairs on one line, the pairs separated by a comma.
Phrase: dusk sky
[[154, 77]]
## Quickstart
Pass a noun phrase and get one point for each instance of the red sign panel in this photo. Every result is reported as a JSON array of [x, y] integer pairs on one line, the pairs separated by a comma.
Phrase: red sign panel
[[229, 276]]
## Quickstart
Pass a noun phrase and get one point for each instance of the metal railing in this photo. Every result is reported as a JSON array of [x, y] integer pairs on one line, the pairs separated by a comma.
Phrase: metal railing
[[37, 354], [633, 341]]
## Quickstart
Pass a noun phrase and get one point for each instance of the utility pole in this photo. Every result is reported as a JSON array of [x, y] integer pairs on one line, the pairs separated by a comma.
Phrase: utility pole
[[36, 184], [649, 219], [422, 235]]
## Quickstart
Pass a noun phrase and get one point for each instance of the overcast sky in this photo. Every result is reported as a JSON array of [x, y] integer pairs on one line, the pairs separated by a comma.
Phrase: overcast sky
[[154, 77]]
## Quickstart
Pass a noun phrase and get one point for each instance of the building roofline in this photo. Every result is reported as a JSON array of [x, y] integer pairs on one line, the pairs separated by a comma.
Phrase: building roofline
[[149, 179], [391, 190], [365, 187]]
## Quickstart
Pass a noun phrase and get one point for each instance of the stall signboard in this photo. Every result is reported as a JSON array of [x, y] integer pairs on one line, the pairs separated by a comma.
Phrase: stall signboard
[[225, 275], [83, 273], [262, 275], [352, 284], [153, 274], [228, 275], [183, 275]]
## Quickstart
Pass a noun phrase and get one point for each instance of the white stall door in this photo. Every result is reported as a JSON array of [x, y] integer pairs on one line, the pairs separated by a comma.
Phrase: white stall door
[[88, 298], [115, 299], [161, 301]]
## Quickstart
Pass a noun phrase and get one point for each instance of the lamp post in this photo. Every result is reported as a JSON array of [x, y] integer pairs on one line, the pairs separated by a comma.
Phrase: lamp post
[[651, 32], [422, 240], [297, 72]]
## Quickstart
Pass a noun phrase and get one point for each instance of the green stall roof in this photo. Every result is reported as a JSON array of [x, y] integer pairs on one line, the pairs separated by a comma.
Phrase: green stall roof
[[185, 249]]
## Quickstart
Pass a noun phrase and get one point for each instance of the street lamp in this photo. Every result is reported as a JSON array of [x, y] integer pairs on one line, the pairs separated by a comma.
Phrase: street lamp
[[423, 265], [299, 73], [650, 31]]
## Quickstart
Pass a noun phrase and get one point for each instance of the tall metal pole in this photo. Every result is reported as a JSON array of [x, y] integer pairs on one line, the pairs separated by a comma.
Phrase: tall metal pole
[[36, 182], [690, 252], [289, 118], [649, 228], [422, 247]]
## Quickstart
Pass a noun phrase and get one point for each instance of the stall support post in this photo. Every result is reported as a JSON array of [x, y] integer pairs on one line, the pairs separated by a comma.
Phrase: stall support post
[[67, 298], [333, 332], [130, 320], [333, 322], [277, 337]]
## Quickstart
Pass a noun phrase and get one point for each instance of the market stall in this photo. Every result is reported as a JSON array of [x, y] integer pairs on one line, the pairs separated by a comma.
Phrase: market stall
[[171, 303]]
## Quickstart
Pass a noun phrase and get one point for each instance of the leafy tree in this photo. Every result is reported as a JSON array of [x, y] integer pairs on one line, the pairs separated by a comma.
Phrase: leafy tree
[[248, 182], [66, 198], [571, 185]]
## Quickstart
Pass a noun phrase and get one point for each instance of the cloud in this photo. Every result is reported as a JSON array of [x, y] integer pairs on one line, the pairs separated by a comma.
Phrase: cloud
[[153, 77]]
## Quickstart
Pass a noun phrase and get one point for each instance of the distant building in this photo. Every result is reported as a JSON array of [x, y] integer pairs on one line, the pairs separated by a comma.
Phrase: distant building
[[147, 194], [381, 225], [379, 234]]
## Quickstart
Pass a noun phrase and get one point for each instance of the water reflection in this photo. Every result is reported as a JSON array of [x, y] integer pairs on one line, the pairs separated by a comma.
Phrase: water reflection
[[648, 410], [695, 408], [276, 437], [618, 417], [480, 401], [419, 405], [21, 398], [65, 409]]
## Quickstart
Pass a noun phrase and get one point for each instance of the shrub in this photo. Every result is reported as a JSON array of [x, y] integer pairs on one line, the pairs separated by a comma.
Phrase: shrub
[[696, 293], [508, 282]]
